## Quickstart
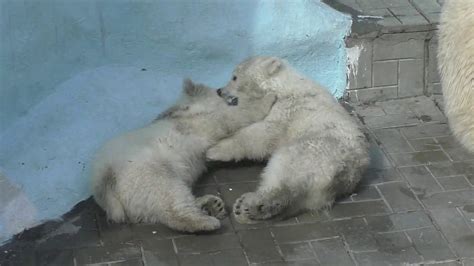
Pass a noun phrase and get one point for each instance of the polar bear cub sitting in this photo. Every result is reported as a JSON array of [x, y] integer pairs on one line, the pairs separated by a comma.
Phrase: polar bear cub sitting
[[146, 175], [317, 151]]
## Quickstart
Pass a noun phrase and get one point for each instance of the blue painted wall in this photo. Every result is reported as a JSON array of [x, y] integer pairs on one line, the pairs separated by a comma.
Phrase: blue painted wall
[[75, 73]]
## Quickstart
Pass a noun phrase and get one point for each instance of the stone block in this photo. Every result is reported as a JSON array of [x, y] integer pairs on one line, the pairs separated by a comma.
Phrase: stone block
[[231, 257], [158, 251], [142, 231], [448, 142], [443, 169], [303, 232], [354, 209], [420, 179], [459, 154], [425, 144], [392, 140], [468, 213], [377, 176], [389, 121], [380, 12], [385, 73], [427, 6], [96, 255], [395, 107], [404, 11], [433, 18], [258, 245], [378, 160], [389, 22], [206, 243], [448, 199], [454, 182], [456, 231], [411, 74], [356, 234], [377, 94], [392, 243], [369, 110], [395, 47], [410, 20], [332, 252], [399, 197], [430, 244], [426, 109], [296, 251], [398, 221], [418, 158], [365, 193], [424, 131], [54, 257], [360, 64], [376, 258]]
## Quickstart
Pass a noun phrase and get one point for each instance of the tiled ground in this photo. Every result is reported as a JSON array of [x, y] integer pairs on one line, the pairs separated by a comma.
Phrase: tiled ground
[[415, 205]]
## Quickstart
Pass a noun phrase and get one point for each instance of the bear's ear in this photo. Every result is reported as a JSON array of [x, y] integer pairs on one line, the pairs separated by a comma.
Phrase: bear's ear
[[272, 66], [192, 89], [189, 88]]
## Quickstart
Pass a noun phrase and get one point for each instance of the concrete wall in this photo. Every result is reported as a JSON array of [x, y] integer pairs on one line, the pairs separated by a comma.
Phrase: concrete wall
[[75, 73]]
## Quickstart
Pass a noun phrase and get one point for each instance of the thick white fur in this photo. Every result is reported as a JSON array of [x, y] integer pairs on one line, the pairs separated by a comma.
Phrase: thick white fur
[[146, 175], [317, 151], [456, 65]]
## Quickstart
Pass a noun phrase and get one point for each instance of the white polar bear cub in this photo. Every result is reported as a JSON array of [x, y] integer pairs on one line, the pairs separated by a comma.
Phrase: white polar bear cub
[[456, 65], [146, 175], [317, 150]]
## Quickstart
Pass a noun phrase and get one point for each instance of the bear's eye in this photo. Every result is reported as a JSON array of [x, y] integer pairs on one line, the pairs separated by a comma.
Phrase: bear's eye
[[234, 78]]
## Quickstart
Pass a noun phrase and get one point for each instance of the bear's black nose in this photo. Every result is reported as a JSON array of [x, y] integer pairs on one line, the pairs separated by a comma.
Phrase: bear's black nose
[[219, 92]]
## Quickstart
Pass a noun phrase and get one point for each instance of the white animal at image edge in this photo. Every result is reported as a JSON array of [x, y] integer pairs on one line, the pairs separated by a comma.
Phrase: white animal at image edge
[[456, 67]]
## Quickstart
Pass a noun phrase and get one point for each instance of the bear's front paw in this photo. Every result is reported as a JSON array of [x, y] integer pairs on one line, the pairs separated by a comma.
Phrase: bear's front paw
[[221, 152]]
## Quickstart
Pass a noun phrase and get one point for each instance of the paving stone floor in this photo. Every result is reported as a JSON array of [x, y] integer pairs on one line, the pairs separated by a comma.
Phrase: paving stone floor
[[414, 206]]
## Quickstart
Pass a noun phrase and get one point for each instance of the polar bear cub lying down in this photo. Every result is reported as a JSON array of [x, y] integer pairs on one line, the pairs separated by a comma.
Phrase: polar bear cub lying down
[[317, 151], [146, 175]]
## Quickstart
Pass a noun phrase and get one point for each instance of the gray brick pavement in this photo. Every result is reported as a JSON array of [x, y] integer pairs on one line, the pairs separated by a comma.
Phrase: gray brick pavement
[[415, 205]]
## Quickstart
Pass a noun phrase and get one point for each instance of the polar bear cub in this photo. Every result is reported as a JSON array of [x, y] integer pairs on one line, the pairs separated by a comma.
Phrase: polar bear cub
[[316, 150], [456, 65], [146, 175]]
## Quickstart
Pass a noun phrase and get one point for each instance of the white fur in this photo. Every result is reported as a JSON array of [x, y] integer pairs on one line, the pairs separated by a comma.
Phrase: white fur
[[317, 151], [456, 65], [146, 175]]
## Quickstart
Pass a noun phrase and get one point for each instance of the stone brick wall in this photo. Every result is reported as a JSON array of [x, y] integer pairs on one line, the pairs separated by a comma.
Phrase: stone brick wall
[[391, 66], [391, 49]]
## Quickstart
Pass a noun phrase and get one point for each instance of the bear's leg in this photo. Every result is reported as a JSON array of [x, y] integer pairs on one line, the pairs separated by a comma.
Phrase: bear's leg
[[276, 194], [297, 177], [255, 142], [183, 214], [212, 205]]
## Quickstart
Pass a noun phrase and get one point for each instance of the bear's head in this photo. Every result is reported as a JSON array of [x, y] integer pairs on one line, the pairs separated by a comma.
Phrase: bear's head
[[249, 79], [195, 98]]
